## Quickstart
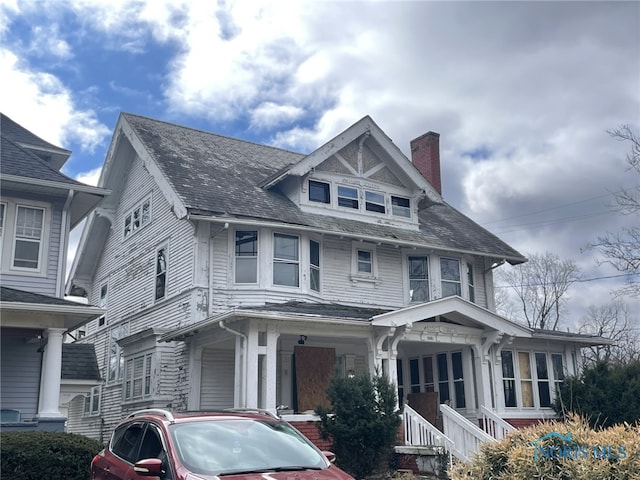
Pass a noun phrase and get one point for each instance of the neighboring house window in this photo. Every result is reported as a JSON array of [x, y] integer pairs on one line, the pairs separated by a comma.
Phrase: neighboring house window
[[533, 378], [116, 360], [137, 218], [92, 402], [314, 265], [319, 192], [400, 206], [103, 303], [365, 261], [450, 277], [470, 283], [161, 273], [246, 248], [427, 366], [286, 260], [418, 279], [28, 237], [374, 202], [137, 383], [348, 197]]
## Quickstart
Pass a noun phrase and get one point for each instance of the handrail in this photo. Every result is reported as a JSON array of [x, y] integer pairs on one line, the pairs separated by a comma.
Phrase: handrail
[[494, 425], [419, 432], [466, 436]]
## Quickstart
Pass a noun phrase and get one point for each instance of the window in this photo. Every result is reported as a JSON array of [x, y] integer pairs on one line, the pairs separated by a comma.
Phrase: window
[[286, 269], [427, 366], [558, 370], [458, 379], [138, 377], [246, 256], [414, 374], [544, 394], [526, 380], [418, 279], [450, 276], [470, 283], [102, 303], [400, 207], [92, 402], [365, 261], [314, 265], [508, 379], [374, 202], [137, 218], [348, 197], [28, 237], [3, 207], [443, 378], [161, 273], [319, 192], [400, 378], [116, 360]]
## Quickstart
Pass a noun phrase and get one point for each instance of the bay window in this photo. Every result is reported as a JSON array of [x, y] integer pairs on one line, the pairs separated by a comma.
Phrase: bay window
[[246, 256], [450, 277], [286, 260], [418, 267]]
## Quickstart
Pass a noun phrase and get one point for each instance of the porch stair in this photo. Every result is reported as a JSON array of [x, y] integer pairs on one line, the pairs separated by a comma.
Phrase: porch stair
[[494, 425]]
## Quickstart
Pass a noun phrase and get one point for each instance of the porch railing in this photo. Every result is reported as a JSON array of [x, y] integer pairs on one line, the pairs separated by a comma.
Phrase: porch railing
[[466, 436], [494, 425], [419, 432]]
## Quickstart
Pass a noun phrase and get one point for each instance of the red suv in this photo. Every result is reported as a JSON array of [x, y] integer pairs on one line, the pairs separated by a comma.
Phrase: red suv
[[242, 444]]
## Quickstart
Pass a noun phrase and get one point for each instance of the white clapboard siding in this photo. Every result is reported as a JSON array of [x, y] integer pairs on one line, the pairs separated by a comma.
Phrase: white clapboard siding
[[217, 378]]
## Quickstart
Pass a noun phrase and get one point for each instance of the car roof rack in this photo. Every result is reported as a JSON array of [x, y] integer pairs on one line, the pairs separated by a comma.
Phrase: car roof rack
[[253, 410], [153, 411]]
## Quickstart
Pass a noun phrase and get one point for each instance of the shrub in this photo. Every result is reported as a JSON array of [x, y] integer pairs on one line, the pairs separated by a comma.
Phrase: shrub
[[608, 454], [363, 422], [50, 455], [605, 394]]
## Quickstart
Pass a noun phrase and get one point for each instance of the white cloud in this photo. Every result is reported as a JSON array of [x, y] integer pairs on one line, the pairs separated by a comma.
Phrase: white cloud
[[272, 115], [90, 177]]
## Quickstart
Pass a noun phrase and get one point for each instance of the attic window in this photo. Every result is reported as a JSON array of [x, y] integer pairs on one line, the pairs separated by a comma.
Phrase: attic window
[[374, 202], [347, 197], [400, 207], [319, 192], [137, 217]]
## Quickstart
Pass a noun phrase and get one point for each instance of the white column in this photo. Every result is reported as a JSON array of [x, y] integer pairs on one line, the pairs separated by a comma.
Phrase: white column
[[251, 381], [51, 372], [271, 366]]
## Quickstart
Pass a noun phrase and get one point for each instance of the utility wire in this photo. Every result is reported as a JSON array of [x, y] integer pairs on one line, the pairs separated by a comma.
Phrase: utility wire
[[582, 280]]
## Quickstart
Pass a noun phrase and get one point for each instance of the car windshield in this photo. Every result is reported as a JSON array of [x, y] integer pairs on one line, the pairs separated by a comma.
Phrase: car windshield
[[231, 446]]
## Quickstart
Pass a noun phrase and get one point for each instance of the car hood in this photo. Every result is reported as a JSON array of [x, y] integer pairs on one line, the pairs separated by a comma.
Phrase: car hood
[[331, 473]]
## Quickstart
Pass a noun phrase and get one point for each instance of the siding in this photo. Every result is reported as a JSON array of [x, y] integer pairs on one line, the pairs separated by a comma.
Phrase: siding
[[217, 378], [20, 372]]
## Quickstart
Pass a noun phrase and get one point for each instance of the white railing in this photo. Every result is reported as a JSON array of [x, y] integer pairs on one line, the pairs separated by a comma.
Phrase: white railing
[[420, 433], [494, 425], [466, 436]]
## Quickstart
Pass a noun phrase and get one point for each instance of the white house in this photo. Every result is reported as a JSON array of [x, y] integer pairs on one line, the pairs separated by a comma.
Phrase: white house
[[241, 275]]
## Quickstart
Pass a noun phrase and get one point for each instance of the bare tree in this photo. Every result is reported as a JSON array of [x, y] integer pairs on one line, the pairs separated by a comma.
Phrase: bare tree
[[540, 287], [615, 322], [622, 249]]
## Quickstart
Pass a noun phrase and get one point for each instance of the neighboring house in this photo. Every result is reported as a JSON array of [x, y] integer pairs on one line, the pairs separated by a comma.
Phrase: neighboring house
[[38, 207], [237, 274]]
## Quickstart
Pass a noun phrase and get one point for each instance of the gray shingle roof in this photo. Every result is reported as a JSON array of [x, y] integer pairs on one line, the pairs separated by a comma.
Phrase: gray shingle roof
[[20, 296], [18, 134], [79, 362], [222, 176], [322, 309]]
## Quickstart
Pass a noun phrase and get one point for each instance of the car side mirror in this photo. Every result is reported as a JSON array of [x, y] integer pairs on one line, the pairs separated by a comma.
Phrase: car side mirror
[[149, 467], [330, 456]]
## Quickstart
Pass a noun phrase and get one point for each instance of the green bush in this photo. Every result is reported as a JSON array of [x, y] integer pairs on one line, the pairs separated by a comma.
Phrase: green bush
[[604, 394], [362, 424], [46, 455], [607, 454]]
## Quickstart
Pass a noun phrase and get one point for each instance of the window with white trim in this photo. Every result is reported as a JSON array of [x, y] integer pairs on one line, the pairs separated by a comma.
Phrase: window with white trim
[[104, 289], [246, 256], [286, 260], [137, 379], [400, 206], [427, 368], [314, 265], [115, 360], [92, 402], [3, 209], [348, 197], [161, 273], [418, 268], [319, 192], [137, 218], [470, 283], [528, 382], [450, 277], [414, 375], [558, 371], [29, 229], [365, 261], [374, 202]]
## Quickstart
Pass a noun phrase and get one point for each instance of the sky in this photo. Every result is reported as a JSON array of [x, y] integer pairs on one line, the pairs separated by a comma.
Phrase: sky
[[521, 93]]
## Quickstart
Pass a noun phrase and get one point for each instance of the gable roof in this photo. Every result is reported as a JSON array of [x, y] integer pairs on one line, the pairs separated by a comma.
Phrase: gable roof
[[23, 169], [54, 155], [79, 362]]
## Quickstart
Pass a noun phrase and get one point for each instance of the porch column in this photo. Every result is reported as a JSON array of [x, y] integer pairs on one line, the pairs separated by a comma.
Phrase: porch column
[[483, 376], [270, 366], [51, 371], [251, 381], [195, 377]]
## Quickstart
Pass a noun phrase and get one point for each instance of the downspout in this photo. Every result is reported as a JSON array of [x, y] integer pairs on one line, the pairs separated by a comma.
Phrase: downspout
[[64, 244], [243, 367]]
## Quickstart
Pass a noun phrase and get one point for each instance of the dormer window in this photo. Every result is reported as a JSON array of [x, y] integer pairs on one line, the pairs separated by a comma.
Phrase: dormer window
[[400, 207], [374, 202], [348, 197], [319, 192]]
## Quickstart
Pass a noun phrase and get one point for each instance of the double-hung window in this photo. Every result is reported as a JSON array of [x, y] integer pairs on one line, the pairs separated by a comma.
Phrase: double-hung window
[[558, 371], [286, 260], [29, 230], [161, 273], [450, 277], [400, 206], [137, 384], [527, 381], [319, 192], [470, 283], [374, 202], [92, 402], [314, 265], [348, 197], [246, 246], [102, 303], [418, 278], [365, 262], [115, 359], [508, 379]]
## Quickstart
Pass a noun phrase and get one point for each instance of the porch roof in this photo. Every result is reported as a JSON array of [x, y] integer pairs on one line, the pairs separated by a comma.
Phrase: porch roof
[[454, 309]]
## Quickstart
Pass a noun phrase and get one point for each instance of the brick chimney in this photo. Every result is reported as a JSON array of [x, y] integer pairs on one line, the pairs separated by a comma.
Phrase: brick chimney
[[425, 155]]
